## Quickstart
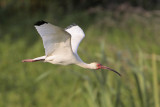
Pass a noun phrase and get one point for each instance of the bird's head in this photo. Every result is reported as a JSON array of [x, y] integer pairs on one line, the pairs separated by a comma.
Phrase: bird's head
[[97, 66]]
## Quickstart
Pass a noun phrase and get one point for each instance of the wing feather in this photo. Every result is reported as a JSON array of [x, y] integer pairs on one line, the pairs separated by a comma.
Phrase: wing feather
[[77, 35], [54, 38]]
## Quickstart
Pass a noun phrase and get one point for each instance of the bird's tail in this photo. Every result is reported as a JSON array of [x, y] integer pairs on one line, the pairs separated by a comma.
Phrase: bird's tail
[[42, 58]]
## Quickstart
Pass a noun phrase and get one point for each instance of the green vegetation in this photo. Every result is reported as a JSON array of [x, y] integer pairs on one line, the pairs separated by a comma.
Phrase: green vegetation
[[127, 41]]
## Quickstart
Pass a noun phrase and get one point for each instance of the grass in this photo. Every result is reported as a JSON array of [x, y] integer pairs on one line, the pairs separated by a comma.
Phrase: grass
[[130, 45], [155, 80]]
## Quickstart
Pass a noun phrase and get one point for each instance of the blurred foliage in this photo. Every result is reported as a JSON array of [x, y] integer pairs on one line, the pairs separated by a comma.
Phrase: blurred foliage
[[72, 5], [122, 36], [9, 8]]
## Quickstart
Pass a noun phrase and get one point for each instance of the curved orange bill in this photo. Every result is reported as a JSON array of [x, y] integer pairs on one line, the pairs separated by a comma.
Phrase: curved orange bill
[[104, 67]]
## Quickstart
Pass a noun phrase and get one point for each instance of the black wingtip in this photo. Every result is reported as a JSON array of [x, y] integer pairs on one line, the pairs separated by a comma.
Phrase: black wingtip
[[68, 27], [39, 23]]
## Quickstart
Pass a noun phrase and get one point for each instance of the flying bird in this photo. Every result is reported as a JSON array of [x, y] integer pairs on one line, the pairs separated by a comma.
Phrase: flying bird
[[61, 46]]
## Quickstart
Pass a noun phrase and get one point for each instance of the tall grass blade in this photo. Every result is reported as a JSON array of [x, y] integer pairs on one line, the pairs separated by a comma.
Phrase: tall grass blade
[[155, 81], [43, 75], [139, 89]]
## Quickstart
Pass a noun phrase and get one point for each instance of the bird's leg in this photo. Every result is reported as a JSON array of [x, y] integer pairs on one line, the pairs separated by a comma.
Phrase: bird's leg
[[31, 60], [42, 58]]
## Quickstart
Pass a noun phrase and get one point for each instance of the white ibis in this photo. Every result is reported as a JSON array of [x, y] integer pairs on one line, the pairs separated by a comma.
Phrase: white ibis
[[61, 46]]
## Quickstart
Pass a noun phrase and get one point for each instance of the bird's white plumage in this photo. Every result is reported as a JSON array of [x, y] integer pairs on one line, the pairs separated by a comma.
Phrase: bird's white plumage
[[77, 35], [61, 46], [54, 39], [57, 44], [39, 58]]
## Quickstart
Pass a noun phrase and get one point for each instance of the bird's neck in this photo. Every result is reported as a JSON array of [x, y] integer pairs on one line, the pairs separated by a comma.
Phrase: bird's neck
[[85, 65]]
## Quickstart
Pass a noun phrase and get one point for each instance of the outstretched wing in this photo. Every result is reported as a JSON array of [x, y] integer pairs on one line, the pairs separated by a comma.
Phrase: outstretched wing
[[55, 39], [77, 35]]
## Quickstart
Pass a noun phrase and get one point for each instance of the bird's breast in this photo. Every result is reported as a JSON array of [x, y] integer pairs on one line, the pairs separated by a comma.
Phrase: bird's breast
[[61, 59]]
